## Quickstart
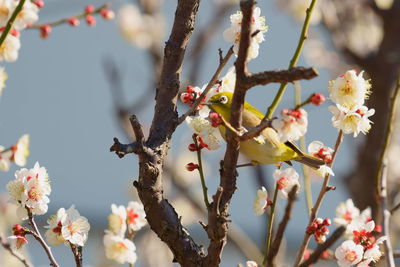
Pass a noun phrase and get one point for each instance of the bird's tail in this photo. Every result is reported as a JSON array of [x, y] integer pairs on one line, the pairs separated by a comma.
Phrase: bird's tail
[[310, 161]]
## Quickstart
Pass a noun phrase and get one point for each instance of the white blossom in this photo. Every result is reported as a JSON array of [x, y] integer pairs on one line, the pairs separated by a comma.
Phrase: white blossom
[[6, 9], [232, 34], [53, 234], [354, 120], [346, 212], [286, 179], [349, 253], [261, 201], [120, 249], [17, 241], [136, 217], [22, 150], [28, 15], [75, 228], [207, 135], [9, 49], [349, 90], [5, 159], [291, 125], [374, 253], [3, 78], [117, 220]]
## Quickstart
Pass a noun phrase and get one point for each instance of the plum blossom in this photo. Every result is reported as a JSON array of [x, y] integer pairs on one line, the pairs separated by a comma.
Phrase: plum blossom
[[17, 241], [136, 217], [319, 228], [319, 150], [349, 253], [6, 9], [139, 29], [117, 220], [120, 249], [53, 234], [207, 135], [349, 90], [346, 212], [30, 190], [75, 228], [9, 49], [354, 120], [373, 253], [21, 150], [261, 202], [291, 125], [232, 34], [286, 179], [4, 159], [28, 15]]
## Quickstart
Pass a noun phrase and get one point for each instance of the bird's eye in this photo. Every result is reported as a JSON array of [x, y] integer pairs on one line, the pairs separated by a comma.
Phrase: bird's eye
[[223, 100]]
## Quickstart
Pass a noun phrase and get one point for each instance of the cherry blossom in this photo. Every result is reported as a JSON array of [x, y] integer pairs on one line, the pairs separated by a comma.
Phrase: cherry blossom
[[9, 49], [349, 253], [53, 234], [117, 220], [346, 212], [75, 228]]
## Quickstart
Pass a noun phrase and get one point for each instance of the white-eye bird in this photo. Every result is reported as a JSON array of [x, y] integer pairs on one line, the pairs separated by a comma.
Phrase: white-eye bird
[[272, 150]]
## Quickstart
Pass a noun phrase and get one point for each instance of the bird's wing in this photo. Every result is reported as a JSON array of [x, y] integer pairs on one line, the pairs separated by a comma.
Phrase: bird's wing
[[253, 110], [294, 148]]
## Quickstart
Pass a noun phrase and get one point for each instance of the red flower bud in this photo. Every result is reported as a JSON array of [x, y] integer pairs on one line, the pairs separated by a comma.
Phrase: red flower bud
[[14, 32], [107, 14], [190, 89], [18, 230], [89, 9], [90, 20], [318, 99], [327, 222], [73, 21], [191, 166], [193, 147], [45, 31], [39, 3], [378, 228]]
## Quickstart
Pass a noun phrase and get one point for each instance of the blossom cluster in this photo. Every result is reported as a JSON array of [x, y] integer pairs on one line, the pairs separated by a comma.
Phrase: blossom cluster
[[17, 153], [319, 229], [291, 124], [361, 247], [348, 92], [123, 219], [232, 34]]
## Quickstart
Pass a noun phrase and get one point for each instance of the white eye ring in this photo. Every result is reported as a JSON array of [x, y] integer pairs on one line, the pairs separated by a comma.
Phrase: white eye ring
[[223, 100]]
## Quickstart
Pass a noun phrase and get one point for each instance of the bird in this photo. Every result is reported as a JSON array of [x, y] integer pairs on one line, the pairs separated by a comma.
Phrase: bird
[[269, 151]]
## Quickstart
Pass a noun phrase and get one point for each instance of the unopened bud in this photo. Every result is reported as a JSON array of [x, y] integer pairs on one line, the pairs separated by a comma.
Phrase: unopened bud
[[191, 166], [73, 21], [15, 32], [193, 147], [317, 99], [39, 3], [89, 9], [107, 14], [90, 20], [45, 31], [327, 222]]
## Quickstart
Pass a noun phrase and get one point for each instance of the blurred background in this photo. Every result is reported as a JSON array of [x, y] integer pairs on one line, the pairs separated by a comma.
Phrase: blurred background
[[72, 94]]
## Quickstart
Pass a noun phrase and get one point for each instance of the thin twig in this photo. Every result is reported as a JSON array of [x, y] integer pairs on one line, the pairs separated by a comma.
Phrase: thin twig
[[201, 173], [210, 84], [324, 188], [282, 227], [293, 61], [386, 216], [36, 234], [316, 255], [388, 133], [77, 252], [19, 257], [270, 225], [10, 22], [65, 20]]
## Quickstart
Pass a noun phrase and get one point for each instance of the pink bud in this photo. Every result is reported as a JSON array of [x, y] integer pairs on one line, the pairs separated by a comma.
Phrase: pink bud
[[189, 89], [39, 3], [193, 147], [15, 32], [73, 21], [325, 255], [191, 166], [89, 9], [327, 222], [318, 221], [378, 228], [107, 14], [18, 230], [45, 31], [317, 99], [324, 230], [90, 20]]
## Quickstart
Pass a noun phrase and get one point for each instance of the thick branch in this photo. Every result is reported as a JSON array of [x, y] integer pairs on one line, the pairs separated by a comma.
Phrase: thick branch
[[281, 76], [218, 224], [315, 256]]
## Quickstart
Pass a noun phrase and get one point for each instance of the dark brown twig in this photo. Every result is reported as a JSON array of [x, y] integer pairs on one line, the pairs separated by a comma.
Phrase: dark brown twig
[[19, 257], [123, 149], [282, 227], [315, 256], [77, 252]]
